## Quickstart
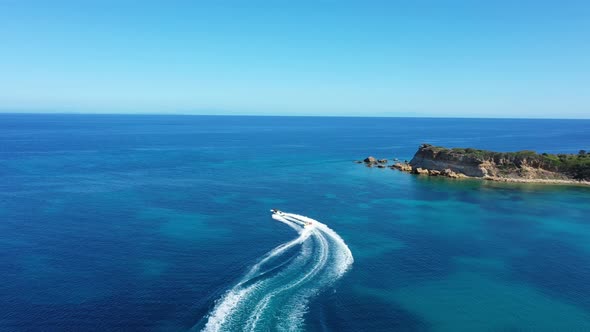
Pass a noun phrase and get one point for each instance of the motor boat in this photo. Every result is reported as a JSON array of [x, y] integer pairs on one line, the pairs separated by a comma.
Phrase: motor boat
[[277, 212], [291, 218]]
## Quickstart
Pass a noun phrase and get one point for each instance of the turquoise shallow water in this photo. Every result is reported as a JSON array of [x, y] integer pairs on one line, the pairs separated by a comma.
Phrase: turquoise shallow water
[[143, 222]]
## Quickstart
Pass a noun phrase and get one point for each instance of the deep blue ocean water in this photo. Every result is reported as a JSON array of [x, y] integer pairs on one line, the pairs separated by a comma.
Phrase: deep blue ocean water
[[143, 223]]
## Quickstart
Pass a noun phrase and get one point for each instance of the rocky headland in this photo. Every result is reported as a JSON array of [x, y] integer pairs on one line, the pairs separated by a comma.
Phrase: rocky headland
[[521, 166]]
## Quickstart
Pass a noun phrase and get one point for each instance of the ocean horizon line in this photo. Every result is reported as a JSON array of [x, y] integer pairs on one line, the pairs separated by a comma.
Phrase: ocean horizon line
[[286, 115]]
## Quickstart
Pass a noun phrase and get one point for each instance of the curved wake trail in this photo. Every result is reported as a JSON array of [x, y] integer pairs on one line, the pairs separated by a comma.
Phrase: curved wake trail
[[274, 293]]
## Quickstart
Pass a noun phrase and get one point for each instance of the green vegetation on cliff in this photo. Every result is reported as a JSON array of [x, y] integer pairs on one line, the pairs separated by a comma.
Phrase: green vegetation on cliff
[[575, 166]]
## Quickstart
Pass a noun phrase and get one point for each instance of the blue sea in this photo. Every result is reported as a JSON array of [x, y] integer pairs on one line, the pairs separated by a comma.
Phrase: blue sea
[[162, 223]]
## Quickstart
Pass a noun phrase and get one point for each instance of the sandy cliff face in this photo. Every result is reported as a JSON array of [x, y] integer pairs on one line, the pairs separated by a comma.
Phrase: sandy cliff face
[[429, 157]]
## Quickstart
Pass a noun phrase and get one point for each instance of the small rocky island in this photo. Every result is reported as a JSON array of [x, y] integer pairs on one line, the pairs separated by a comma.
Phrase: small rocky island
[[521, 166]]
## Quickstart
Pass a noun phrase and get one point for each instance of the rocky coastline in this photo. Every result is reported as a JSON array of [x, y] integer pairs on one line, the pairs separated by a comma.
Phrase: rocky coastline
[[518, 167]]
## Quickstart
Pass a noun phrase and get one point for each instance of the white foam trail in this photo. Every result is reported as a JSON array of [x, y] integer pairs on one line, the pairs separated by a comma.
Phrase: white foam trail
[[291, 224], [226, 307], [345, 258], [278, 300], [303, 235], [264, 303]]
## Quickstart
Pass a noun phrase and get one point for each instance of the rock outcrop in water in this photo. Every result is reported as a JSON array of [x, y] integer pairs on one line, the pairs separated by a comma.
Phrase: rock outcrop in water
[[404, 167], [372, 161]]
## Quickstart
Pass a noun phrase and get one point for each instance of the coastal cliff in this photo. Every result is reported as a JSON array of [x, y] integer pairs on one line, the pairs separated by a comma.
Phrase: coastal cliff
[[521, 166], [432, 158]]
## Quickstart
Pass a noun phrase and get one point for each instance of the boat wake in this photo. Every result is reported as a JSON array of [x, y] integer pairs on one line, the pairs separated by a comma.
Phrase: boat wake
[[274, 293]]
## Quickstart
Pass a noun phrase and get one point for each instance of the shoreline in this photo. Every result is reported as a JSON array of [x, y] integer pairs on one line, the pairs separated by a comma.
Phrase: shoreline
[[562, 182], [537, 181]]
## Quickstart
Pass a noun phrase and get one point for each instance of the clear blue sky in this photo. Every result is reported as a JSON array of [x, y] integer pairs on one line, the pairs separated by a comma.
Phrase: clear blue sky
[[392, 58]]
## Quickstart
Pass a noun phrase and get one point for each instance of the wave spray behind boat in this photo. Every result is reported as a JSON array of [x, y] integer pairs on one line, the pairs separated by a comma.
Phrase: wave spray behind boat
[[274, 293]]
